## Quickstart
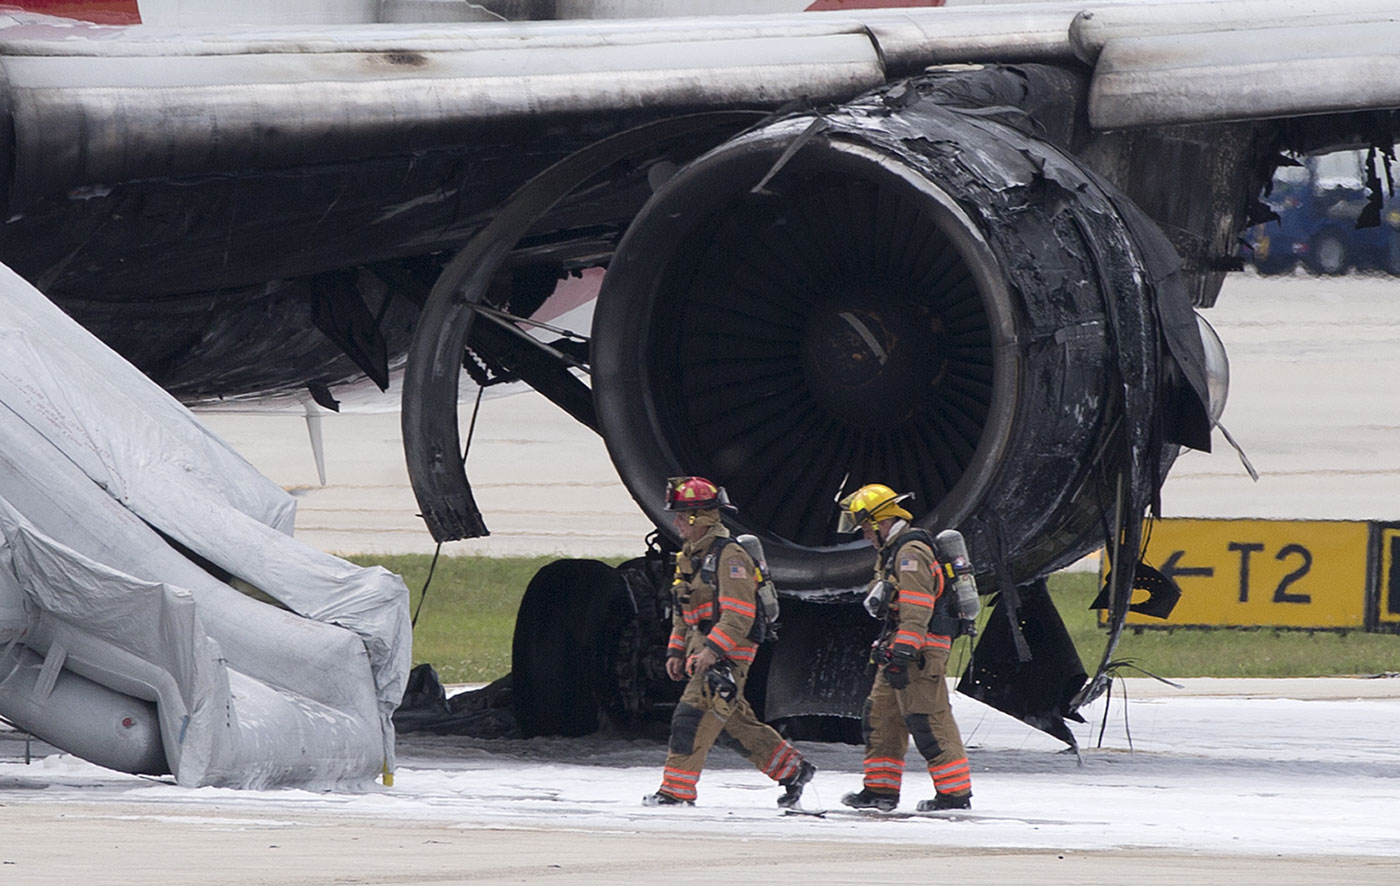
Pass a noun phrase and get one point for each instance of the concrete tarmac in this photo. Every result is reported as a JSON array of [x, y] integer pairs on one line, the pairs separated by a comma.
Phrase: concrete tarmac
[[139, 845], [108, 831], [543, 482], [135, 836], [1313, 402]]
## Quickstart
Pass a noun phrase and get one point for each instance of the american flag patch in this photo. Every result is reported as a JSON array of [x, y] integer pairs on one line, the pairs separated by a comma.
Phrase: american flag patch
[[908, 564], [737, 571]]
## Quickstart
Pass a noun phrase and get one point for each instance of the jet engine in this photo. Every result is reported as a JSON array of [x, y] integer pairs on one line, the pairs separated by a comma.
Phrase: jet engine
[[918, 296], [906, 292]]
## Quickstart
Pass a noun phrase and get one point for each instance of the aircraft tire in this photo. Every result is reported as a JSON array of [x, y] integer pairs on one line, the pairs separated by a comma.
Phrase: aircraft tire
[[559, 683]]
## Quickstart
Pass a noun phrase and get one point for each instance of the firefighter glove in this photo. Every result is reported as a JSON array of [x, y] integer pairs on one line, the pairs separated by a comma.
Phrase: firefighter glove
[[898, 674], [897, 671]]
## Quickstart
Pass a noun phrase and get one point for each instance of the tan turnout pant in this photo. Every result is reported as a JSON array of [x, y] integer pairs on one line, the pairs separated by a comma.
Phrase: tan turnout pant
[[922, 710], [698, 721]]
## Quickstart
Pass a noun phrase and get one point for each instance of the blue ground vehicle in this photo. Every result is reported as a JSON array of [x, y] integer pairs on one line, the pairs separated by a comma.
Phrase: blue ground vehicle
[[1318, 204]]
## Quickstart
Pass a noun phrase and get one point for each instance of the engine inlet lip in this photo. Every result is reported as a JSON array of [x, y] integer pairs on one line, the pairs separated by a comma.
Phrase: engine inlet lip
[[636, 432]]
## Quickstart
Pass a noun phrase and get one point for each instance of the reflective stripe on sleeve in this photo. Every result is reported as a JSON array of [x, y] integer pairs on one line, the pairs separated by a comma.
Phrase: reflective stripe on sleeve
[[916, 598], [733, 604], [722, 640], [913, 638], [698, 614]]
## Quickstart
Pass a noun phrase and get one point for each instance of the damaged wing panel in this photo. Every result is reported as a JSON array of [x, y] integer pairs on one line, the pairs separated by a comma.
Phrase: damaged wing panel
[[1245, 75]]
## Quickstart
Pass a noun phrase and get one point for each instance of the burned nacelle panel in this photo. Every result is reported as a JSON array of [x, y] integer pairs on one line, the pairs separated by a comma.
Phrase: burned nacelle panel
[[906, 293]]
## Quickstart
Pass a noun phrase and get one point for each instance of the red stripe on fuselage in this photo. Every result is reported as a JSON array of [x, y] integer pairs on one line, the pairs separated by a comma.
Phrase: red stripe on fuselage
[[821, 5], [101, 12], [126, 12]]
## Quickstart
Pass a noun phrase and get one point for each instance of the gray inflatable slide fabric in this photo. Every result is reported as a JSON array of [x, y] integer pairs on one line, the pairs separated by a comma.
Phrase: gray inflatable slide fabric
[[133, 547]]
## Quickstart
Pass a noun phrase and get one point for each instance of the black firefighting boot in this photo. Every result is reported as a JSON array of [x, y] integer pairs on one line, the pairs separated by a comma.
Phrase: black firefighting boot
[[865, 798], [795, 783], [661, 798], [941, 802]]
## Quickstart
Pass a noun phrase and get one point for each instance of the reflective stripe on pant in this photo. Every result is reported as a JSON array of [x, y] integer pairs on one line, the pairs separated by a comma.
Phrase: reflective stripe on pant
[[697, 722], [923, 711]]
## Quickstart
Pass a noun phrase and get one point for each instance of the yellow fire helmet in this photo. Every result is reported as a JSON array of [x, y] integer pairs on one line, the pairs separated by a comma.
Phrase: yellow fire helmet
[[871, 504]]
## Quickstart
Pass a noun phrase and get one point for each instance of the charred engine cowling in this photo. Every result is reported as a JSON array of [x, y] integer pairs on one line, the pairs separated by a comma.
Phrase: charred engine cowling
[[904, 293], [917, 297]]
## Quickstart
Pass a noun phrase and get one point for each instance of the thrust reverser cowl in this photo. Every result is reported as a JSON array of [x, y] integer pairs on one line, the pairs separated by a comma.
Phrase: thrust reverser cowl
[[916, 296]]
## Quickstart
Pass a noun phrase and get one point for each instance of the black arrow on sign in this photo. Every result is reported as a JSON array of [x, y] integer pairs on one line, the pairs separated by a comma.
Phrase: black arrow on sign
[[1172, 571]]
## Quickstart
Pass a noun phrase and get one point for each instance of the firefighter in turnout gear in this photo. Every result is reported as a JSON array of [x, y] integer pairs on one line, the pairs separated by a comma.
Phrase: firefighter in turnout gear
[[711, 649], [910, 692]]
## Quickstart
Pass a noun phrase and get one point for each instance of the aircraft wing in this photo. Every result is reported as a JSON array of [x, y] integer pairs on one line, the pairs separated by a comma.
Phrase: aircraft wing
[[953, 250], [291, 192]]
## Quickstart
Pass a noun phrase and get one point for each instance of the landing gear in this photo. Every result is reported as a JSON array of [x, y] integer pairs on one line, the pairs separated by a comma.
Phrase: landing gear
[[590, 652], [589, 648]]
